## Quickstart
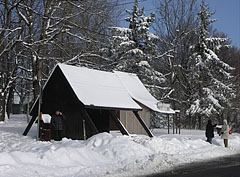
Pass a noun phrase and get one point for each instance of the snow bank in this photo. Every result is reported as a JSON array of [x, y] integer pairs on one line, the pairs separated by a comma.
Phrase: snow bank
[[103, 154]]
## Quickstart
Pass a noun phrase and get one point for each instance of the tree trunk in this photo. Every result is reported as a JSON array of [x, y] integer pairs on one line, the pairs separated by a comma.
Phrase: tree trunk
[[10, 101], [34, 75], [2, 107], [38, 60], [189, 121], [199, 122]]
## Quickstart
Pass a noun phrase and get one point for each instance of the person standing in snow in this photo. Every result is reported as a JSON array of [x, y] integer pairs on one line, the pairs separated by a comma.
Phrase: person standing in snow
[[225, 132], [57, 123], [210, 131]]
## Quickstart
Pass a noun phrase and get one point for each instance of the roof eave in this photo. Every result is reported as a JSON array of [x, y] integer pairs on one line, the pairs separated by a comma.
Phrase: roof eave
[[112, 108]]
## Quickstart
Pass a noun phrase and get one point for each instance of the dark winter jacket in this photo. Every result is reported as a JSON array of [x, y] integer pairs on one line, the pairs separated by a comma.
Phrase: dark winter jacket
[[209, 130], [57, 122]]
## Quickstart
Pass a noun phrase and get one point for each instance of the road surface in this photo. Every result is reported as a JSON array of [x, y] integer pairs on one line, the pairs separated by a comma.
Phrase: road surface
[[220, 167]]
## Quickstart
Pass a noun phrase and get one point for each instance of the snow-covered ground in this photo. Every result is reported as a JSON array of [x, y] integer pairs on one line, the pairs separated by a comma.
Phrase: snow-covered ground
[[104, 154]]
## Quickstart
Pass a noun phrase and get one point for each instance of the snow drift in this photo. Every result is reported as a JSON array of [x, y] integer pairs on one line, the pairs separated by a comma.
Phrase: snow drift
[[103, 154]]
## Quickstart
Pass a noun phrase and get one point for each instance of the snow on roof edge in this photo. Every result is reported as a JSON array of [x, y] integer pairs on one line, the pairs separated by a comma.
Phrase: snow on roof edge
[[148, 100]]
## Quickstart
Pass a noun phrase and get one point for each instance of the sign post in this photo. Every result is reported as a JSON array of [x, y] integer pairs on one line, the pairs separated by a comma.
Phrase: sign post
[[39, 111], [84, 130]]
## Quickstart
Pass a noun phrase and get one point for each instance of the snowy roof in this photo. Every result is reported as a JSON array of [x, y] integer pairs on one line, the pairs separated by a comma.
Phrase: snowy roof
[[98, 88], [110, 89], [138, 92]]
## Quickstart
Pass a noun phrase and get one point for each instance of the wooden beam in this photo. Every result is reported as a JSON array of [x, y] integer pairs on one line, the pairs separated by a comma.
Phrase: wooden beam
[[119, 123], [143, 124], [89, 120], [179, 122], [29, 125], [168, 124], [176, 123], [173, 123]]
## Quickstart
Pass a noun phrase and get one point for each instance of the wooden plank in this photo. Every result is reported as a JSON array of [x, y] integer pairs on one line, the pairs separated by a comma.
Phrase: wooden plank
[[121, 127], [89, 120], [143, 124], [29, 125]]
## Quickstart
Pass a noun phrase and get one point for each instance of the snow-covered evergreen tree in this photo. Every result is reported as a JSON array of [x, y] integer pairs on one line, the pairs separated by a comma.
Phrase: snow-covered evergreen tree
[[211, 89], [134, 49]]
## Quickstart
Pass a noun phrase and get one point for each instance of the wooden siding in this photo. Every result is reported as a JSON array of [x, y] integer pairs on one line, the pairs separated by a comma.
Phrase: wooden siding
[[132, 124]]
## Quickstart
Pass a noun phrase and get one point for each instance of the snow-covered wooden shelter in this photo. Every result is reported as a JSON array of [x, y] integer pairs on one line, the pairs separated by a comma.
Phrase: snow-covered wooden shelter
[[104, 100]]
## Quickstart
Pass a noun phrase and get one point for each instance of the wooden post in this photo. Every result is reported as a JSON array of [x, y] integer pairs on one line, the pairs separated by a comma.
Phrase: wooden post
[[88, 118], [143, 124], [28, 107], [39, 110], [29, 125], [168, 124], [84, 130], [176, 123], [179, 123], [121, 127], [173, 122]]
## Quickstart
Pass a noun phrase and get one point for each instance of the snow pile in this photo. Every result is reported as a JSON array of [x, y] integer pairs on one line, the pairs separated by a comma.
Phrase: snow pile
[[104, 154]]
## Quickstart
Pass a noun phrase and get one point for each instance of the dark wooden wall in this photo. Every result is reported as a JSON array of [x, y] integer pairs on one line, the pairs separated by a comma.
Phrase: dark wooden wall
[[58, 94], [100, 118]]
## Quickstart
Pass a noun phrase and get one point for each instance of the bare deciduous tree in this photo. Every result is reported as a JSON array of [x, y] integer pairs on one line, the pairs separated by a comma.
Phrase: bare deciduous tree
[[36, 34], [10, 37], [175, 25]]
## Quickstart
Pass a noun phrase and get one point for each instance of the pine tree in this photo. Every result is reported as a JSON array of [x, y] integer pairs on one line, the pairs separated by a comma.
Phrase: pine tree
[[134, 49], [210, 78]]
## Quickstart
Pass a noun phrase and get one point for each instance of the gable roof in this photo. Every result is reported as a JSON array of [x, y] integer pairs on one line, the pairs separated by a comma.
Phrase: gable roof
[[138, 92], [96, 88], [114, 90]]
